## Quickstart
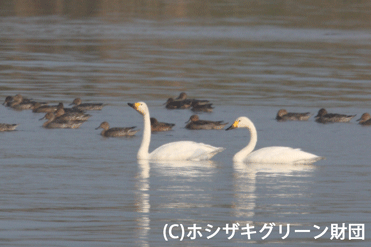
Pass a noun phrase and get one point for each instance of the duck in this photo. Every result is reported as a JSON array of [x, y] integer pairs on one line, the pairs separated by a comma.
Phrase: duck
[[68, 110], [180, 150], [19, 103], [8, 100], [202, 108], [38, 107], [324, 117], [365, 119], [53, 123], [61, 115], [183, 97], [117, 131], [283, 115], [194, 123], [86, 106], [8, 127], [272, 155], [157, 126], [177, 104]]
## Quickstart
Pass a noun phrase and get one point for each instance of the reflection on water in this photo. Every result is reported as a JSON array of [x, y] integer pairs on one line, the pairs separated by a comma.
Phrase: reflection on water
[[143, 201], [188, 179], [245, 183], [186, 168], [172, 172], [189, 183]]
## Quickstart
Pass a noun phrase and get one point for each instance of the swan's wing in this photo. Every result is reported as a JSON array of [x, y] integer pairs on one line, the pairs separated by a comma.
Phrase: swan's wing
[[280, 155], [184, 150]]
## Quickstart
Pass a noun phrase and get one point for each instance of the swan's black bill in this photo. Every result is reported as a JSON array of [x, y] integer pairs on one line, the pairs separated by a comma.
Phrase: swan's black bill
[[131, 105], [231, 127]]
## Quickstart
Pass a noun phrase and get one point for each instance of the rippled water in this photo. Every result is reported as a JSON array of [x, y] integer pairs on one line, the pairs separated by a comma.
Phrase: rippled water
[[76, 188]]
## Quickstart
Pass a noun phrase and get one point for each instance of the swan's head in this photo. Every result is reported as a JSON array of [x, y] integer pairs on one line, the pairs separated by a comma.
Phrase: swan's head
[[241, 122], [140, 107]]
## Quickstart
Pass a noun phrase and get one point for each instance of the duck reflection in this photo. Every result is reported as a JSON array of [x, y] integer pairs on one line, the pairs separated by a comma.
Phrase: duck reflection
[[246, 176]]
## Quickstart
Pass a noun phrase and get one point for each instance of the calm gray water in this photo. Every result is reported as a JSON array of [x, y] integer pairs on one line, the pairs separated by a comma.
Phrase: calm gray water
[[75, 188]]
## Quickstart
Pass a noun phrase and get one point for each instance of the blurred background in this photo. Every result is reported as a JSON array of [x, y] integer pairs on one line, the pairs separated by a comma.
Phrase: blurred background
[[273, 52]]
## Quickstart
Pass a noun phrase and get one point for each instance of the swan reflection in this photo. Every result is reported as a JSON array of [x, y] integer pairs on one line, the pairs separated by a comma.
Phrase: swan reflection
[[143, 203], [188, 181], [189, 169], [245, 184]]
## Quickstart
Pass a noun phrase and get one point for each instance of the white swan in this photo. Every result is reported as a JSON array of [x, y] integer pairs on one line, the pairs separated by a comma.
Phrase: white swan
[[181, 150], [269, 154]]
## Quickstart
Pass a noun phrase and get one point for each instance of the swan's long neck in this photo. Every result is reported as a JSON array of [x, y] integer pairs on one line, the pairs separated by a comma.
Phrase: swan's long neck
[[144, 147], [241, 155]]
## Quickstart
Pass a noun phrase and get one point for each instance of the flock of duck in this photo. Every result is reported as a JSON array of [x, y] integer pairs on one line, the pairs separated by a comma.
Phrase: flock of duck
[[60, 117]]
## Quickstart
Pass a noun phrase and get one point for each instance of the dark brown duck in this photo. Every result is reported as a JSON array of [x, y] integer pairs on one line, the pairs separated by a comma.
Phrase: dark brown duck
[[283, 115], [86, 106], [117, 131], [157, 126], [194, 123], [324, 117]]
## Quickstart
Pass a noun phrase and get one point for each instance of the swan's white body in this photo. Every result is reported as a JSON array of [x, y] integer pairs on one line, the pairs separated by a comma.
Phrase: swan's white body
[[181, 150], [282, 155]]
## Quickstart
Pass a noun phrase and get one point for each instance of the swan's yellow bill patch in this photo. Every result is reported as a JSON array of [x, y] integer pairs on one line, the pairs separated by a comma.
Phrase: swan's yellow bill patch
[[136, 107], [235, 124]]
